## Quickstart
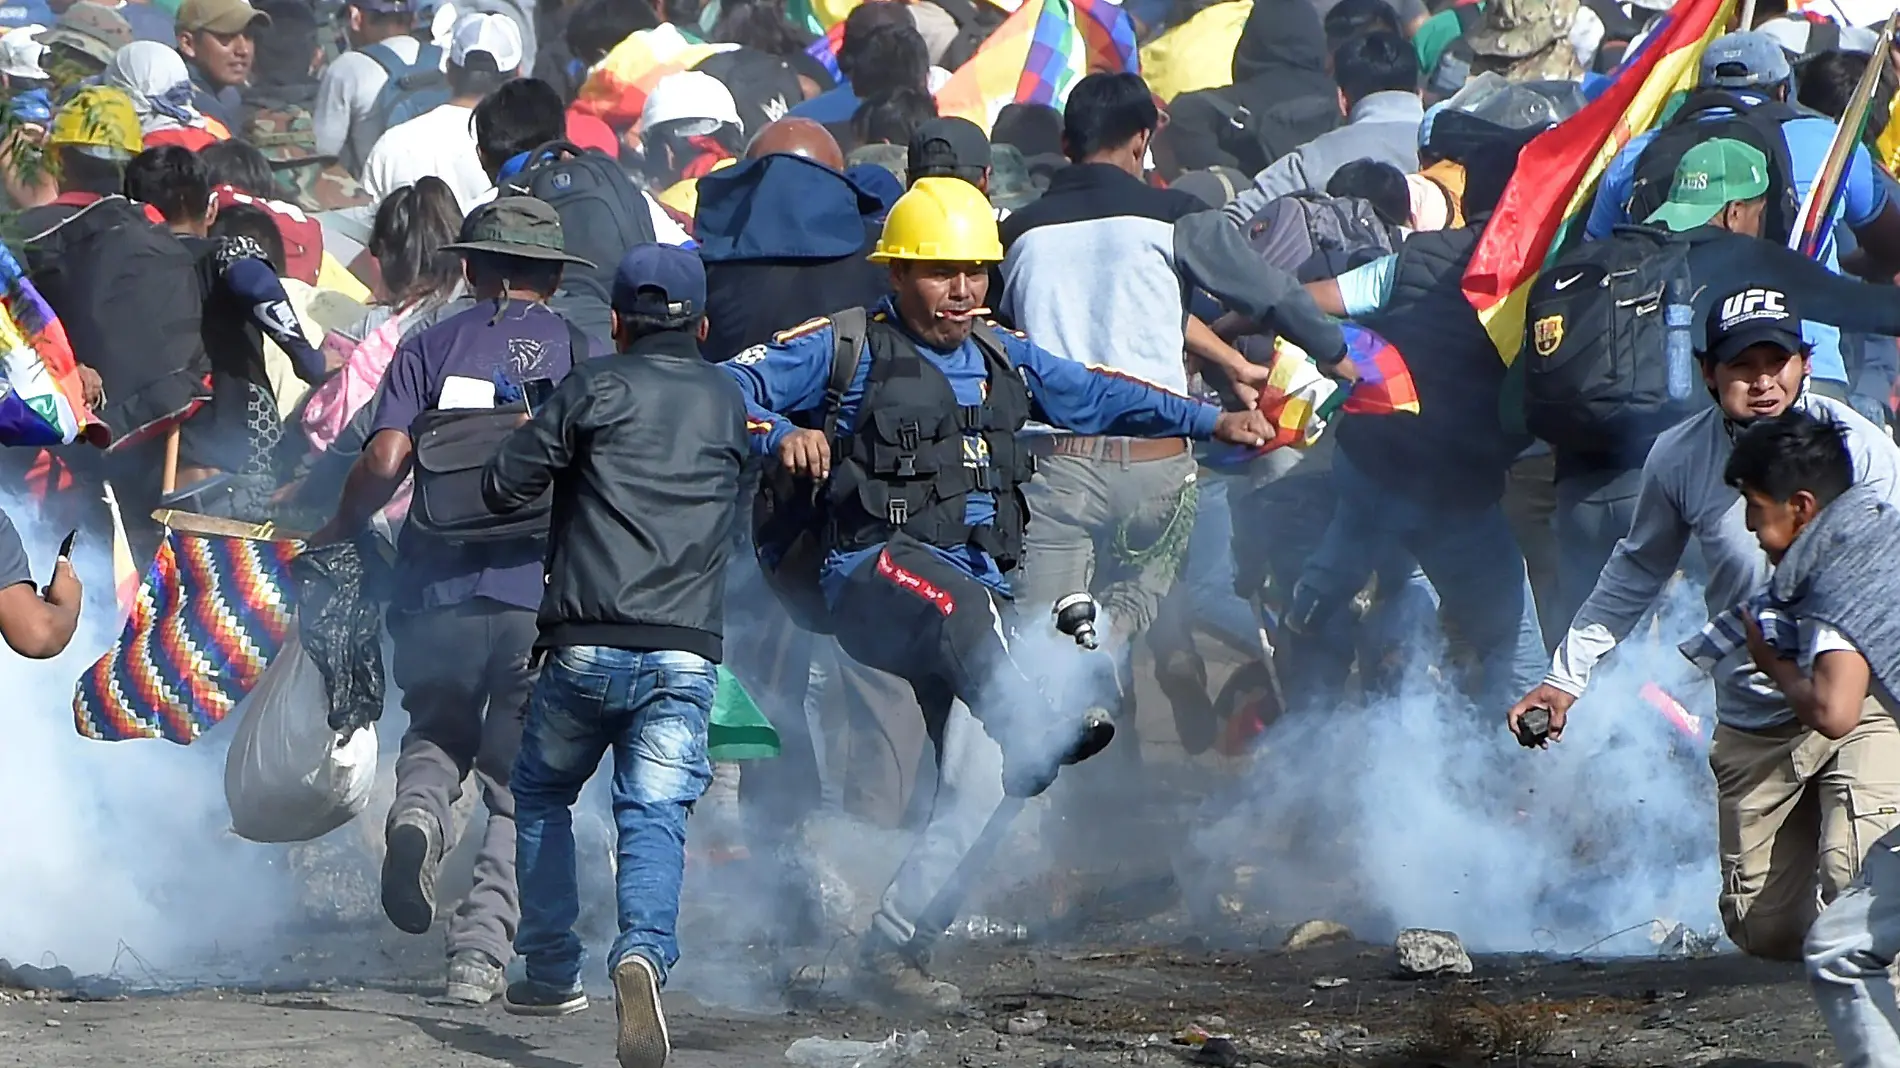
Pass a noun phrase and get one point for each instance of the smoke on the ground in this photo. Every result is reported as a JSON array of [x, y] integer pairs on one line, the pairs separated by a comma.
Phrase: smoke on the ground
[[117, 856], [1421, 811]]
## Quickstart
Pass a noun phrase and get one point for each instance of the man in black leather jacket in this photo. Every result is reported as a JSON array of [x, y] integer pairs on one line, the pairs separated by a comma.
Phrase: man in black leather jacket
[[642, 450]]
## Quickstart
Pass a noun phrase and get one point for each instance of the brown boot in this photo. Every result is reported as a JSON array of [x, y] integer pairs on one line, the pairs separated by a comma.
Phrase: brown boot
[[889, 976]]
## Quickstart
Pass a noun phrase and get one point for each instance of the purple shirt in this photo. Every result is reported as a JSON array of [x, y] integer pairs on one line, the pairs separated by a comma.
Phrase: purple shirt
[[527, 341]]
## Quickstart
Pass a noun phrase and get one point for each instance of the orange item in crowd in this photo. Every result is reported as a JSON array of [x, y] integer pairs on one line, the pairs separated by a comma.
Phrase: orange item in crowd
[[587, 131], [190, 138]]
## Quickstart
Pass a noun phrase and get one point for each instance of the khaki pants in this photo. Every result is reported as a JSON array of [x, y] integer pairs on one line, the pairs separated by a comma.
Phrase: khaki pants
[[1792, 805]]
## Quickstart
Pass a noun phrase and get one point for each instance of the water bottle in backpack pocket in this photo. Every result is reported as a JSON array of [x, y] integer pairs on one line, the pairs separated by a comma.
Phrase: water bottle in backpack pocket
[[1609, 359]]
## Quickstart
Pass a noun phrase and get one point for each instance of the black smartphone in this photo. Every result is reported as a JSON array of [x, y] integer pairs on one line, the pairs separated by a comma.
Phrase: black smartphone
[[536, 392], [66, 547]]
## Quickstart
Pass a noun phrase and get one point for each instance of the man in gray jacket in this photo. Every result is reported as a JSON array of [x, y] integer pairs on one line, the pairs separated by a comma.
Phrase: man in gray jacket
[[1378, 94], [1100, 268], [1775, 780]]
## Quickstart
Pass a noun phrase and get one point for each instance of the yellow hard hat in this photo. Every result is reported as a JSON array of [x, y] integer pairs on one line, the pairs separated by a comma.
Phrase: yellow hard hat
[[944, 219], [99, 119]]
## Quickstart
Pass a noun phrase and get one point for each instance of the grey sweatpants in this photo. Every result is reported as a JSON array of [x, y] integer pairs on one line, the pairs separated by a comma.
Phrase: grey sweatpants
[[465, 681], [969, 788], [1093, 525]]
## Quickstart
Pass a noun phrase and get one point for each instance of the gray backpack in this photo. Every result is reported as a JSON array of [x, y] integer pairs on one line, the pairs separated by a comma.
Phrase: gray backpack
[[1313, 236]]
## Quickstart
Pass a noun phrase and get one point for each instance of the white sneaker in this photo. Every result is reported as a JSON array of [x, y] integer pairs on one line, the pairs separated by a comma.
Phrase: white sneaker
[[643, 1041]]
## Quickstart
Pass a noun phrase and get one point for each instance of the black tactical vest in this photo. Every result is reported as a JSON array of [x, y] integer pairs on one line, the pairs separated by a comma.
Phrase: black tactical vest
[[914, 454]]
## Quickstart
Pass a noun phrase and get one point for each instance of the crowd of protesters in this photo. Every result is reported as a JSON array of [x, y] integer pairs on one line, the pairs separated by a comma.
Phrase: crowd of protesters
[[471, 288]]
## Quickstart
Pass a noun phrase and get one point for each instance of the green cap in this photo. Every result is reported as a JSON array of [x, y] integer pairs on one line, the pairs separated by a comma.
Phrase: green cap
[[1711, 176], [515, 226]]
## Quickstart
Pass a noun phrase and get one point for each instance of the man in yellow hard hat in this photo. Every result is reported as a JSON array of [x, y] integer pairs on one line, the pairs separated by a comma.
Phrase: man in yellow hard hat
[[906, 417]]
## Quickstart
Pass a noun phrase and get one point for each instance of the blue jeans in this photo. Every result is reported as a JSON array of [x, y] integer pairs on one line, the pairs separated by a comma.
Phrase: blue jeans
[[651, 710], [1468, 554], [1594, 512]]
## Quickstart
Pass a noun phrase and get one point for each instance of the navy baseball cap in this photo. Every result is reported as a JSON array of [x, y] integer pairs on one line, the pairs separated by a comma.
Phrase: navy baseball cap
[[662, 281], [1753, 315]]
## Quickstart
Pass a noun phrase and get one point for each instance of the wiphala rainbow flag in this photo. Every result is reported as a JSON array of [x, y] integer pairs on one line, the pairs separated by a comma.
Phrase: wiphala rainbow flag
[[210, 614]]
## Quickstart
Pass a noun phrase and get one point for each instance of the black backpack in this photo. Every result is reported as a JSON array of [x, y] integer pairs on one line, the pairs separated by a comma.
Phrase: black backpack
[[1595, 349], [452, 447], [787, 516], [976, 21], [1256, 138], [1621, 27], [1314, 236], [1756, 124], [602, 216]]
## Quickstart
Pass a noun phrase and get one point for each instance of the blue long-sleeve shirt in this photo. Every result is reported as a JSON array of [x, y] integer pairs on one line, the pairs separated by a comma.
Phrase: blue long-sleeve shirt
[[789, 376], [256, 286]]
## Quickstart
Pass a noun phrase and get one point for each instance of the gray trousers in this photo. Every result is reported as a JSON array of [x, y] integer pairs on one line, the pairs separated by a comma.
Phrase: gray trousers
[[465, 680], [1850, 951], [969, 787], [1118, 530]]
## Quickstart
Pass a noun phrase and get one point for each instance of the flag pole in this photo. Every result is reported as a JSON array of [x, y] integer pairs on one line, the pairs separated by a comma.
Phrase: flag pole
[[168, 479], [1811, 223]]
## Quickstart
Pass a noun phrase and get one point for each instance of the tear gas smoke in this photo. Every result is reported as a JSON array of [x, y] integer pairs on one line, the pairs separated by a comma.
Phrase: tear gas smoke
[[1422, 811], [110, 845]]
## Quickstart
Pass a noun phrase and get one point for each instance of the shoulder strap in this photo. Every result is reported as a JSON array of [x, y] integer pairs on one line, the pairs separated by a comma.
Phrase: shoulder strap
[[1822, 37], [848, 330], [578, 347], [991, 345], [385, 58]]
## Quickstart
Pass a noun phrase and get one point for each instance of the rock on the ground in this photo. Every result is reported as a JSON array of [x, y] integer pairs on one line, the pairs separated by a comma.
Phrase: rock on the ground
[[1422, 952], [1316, 933], [1027, 1024]]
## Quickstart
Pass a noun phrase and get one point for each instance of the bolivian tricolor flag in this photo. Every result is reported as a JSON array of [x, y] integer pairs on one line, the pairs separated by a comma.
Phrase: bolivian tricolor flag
[[1557, 173]]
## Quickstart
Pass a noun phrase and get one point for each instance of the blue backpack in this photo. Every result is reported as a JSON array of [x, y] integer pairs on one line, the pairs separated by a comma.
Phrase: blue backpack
[[413, 89]]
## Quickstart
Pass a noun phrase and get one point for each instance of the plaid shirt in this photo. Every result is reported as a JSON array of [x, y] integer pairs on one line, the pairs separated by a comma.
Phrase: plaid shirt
[[1727, 632]]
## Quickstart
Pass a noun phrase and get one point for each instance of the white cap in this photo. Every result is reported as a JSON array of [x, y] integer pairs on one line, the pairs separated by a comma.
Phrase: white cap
[[21, 52], [690, 94], [496, 35]]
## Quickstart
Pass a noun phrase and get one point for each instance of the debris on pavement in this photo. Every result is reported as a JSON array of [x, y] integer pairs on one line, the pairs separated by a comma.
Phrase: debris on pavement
[[1027, 1024], [1681, 940], [815, 1052], [1423, 952], [1329, 983], [1316, 933], [1219, 1051]]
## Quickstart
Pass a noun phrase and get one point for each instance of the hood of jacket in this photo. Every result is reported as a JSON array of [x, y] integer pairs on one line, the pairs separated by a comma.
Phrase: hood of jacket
[[781, 207], [1283, 45]]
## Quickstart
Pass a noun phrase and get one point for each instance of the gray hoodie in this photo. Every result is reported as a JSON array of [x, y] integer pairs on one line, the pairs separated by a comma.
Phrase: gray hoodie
[[1382, 127], [1682, 496]]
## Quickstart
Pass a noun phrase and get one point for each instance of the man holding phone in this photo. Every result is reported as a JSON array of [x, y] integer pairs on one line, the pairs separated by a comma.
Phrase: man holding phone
[[36, 624]]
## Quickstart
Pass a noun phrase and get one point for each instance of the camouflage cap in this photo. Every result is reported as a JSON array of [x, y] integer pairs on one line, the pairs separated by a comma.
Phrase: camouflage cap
[[93, 30], [1012, 188], [1515, 29], [890, 157]]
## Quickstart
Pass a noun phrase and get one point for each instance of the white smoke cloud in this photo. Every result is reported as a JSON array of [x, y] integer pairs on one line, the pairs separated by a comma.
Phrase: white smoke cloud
[[1421, 811], [110, 845]]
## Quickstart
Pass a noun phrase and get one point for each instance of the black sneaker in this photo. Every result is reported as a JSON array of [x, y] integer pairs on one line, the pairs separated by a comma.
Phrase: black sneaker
[[1028, 770], [643, 1042], [414, 852], [525, 997]]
